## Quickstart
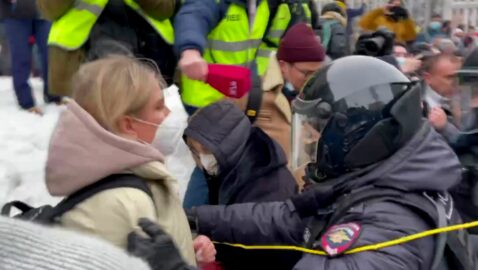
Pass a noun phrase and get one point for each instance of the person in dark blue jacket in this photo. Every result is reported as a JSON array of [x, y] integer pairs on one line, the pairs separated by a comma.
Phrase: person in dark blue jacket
[[22, 21], [242, 164]]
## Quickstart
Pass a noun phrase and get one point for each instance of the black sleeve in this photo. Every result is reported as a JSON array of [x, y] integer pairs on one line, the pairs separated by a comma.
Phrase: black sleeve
[[252, 223]]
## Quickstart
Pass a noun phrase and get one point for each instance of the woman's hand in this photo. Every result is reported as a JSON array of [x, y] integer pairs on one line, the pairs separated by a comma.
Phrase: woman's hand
[[204, 249]]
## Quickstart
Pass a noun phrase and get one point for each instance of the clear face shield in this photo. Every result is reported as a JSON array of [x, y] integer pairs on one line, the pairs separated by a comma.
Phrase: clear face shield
[[465, 104], [306, 129]]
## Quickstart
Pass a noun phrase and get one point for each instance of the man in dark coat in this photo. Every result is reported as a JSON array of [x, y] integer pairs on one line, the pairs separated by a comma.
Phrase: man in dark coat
[[242, 164], [22, 22]]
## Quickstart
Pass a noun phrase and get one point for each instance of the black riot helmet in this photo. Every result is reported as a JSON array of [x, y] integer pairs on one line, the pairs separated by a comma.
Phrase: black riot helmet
[[352, 113]]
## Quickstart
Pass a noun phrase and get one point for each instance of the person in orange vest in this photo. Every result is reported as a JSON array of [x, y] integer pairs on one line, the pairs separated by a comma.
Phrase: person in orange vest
[[394, 17]]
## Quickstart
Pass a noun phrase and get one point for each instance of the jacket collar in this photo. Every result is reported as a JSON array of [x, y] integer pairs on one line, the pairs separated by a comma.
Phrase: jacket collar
[[434, 99], [82, 152]]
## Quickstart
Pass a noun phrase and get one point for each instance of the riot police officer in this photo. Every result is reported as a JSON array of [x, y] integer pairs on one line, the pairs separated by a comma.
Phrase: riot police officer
[[381, 173]]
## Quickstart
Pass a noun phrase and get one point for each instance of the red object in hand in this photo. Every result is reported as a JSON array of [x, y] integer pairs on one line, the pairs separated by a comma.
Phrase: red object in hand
[[212, 266], [232, 81]]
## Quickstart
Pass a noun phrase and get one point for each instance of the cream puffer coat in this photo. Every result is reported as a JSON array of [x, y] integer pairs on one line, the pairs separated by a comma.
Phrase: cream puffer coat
[[82, 152]]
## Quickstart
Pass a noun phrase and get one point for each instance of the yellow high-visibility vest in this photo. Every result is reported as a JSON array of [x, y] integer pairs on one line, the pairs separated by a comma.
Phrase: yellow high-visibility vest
[[231, 42], [72, 30]]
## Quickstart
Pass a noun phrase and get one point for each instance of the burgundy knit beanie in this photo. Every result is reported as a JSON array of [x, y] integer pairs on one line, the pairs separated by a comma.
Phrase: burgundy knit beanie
[[300, 44]]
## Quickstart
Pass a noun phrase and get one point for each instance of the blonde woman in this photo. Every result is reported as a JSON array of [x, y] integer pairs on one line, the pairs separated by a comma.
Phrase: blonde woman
[[107, 130]]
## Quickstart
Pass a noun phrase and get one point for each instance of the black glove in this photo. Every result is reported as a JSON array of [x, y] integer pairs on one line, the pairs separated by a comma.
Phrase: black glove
[[318, 196], [157, 249]]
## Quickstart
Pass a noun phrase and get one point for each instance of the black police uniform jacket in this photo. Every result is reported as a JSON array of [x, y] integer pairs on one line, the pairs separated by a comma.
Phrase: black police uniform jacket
[[426, 163]]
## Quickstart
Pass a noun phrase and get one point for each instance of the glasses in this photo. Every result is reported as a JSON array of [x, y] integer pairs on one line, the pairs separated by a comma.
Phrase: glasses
[[305, 73]]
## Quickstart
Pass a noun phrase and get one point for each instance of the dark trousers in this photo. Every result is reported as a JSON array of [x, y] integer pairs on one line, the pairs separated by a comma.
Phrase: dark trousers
[[18, 33]]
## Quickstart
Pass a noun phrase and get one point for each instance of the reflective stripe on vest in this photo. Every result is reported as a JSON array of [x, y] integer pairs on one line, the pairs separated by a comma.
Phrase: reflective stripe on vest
[[277, 29], [72, 30], [230, 43]]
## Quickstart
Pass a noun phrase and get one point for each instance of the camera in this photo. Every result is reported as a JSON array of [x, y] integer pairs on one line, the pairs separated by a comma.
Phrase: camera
[[379, 43]]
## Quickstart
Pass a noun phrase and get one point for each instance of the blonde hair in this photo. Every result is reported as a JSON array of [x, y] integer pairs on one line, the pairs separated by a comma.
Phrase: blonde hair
[[113, 87]]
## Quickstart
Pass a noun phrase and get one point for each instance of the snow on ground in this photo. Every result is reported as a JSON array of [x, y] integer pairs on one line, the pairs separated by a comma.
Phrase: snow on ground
[[24, 139]]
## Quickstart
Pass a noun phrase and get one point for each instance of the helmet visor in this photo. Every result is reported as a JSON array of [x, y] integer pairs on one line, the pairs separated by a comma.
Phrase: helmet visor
[[305, 137], [352, 114]]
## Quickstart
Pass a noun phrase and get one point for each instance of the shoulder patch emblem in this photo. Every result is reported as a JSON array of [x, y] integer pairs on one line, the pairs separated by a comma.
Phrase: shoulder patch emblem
[[339, 238]]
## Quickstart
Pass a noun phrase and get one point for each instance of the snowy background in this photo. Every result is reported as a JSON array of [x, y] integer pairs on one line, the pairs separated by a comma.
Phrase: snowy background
[[24, 139]]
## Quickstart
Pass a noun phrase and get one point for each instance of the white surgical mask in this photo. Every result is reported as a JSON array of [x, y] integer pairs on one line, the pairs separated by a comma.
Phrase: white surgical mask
[[168, 136], [209, 164]]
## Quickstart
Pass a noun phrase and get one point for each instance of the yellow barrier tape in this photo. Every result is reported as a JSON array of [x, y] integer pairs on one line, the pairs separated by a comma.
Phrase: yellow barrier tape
[[373, 247]]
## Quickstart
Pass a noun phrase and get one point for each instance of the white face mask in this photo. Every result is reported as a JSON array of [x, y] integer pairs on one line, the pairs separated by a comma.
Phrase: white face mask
[[209, 163], [167, 136]]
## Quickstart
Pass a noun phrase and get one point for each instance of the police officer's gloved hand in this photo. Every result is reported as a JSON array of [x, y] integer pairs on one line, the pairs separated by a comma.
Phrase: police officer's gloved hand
[[319, 196], [157, 248]]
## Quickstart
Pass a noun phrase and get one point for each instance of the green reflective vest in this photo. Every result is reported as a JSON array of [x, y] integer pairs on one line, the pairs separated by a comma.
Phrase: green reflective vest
[[278, 27], [72, 30], [271, 41], [231, 42]]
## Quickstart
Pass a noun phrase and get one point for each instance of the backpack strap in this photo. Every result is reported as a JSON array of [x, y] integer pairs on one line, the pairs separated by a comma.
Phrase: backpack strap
[[254, 100], [453, 250], [7, 208], [110, 182], [441, 238]]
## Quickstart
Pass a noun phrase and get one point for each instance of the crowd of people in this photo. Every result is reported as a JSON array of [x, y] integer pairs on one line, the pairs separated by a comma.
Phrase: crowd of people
[[314, 148]]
